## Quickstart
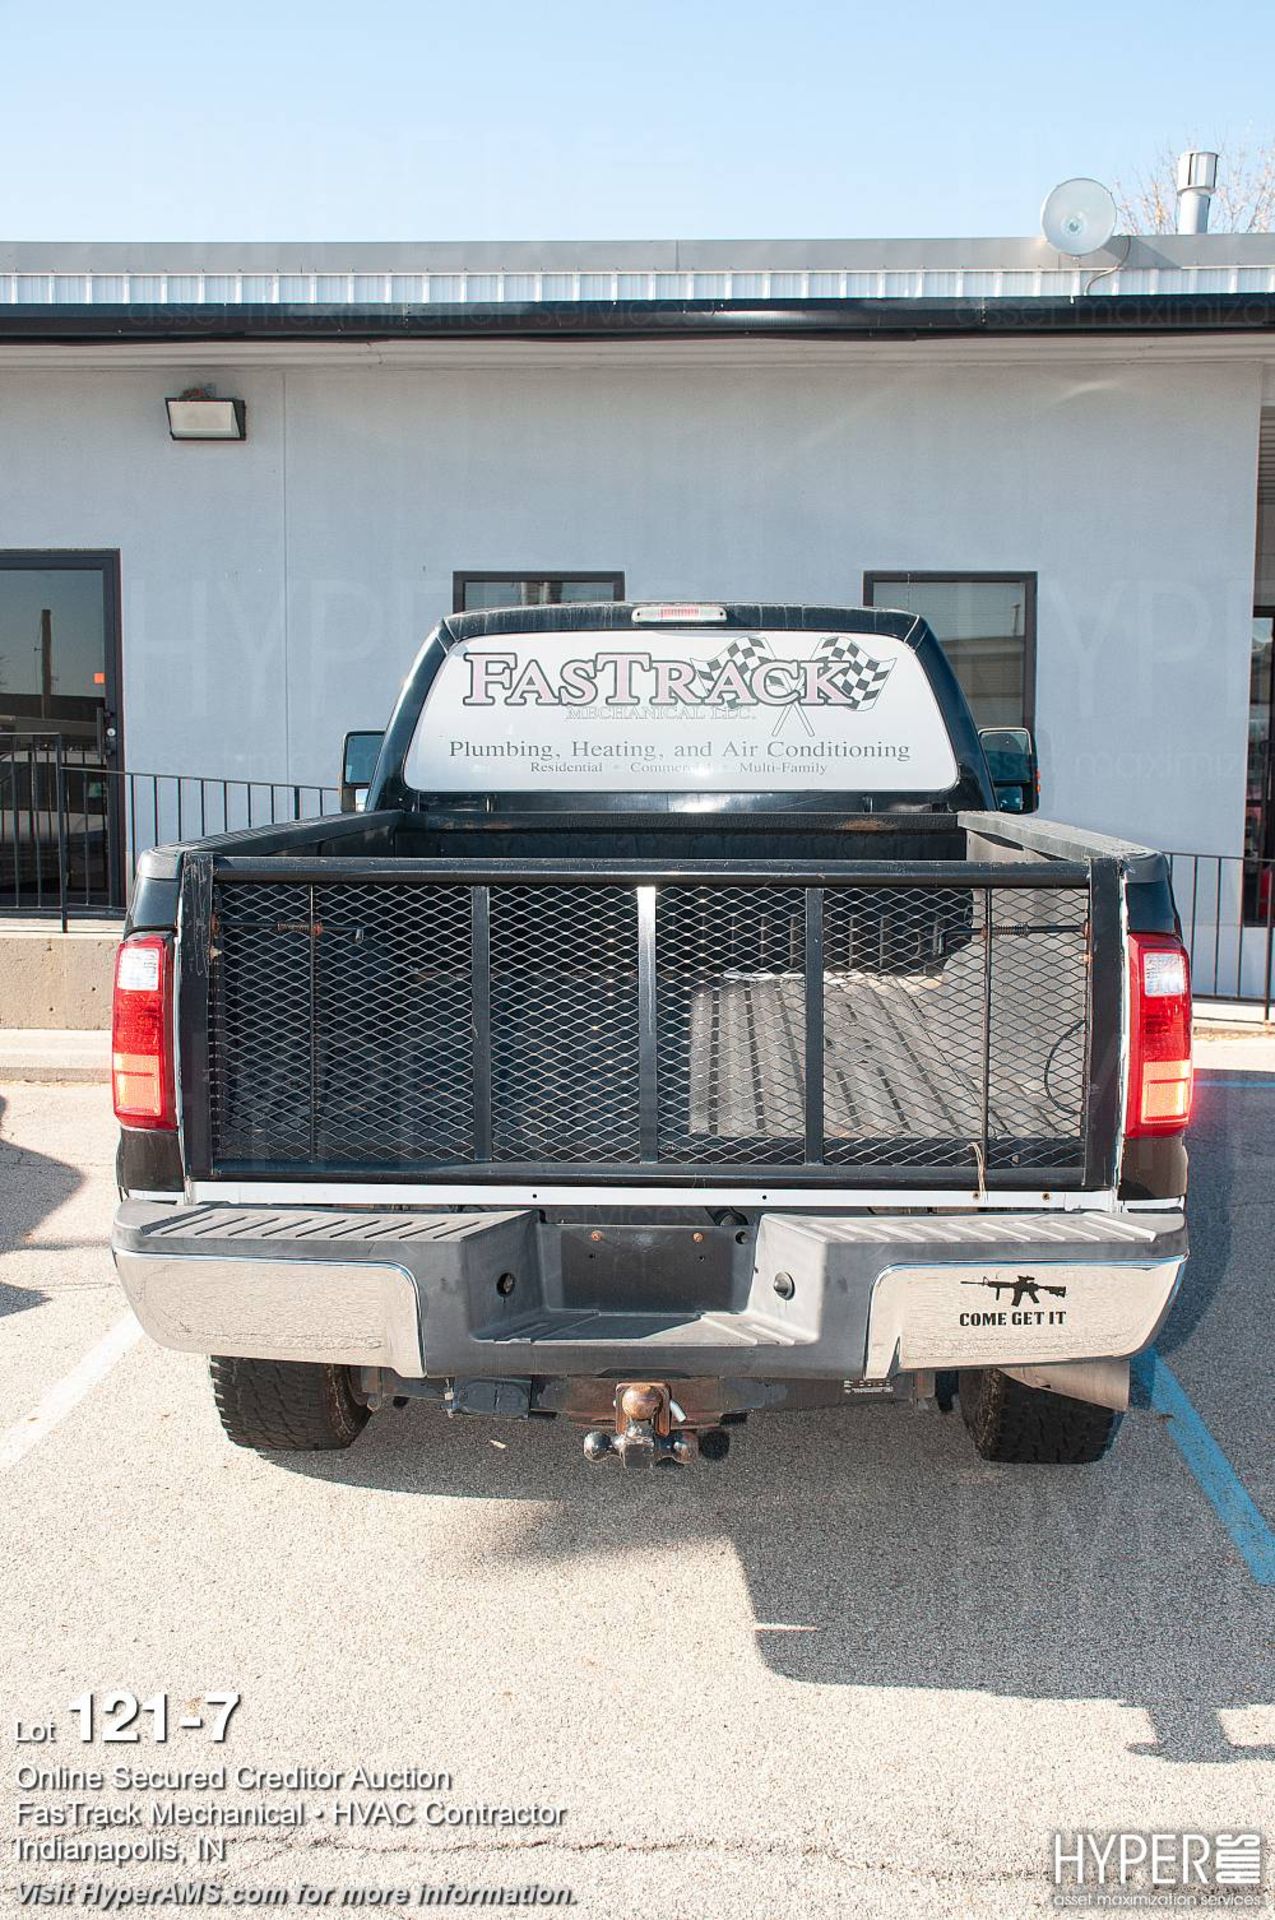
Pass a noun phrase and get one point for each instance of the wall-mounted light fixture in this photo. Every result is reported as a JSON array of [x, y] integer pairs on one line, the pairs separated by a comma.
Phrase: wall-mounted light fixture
[[197, 414]]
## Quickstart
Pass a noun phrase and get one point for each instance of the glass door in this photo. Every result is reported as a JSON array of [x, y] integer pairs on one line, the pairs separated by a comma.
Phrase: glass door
[[60, 731]]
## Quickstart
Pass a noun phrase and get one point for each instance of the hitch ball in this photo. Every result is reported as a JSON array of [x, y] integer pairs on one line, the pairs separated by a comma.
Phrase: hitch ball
[[641, 1403], [644, 1435], [637, 1446]]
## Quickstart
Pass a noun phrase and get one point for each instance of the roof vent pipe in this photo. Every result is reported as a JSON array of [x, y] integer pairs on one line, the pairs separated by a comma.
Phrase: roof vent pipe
[[1197, 178]]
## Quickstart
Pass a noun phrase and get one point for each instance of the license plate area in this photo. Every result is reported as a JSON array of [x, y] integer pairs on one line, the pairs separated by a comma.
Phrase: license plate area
[[647, 1268]]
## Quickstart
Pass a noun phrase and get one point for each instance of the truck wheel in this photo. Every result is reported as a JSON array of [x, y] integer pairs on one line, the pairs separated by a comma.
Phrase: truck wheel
[[286, 1406], [1009, 1421]]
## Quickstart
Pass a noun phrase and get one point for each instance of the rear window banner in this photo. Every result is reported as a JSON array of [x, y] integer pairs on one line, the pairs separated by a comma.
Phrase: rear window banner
[[727, 713]]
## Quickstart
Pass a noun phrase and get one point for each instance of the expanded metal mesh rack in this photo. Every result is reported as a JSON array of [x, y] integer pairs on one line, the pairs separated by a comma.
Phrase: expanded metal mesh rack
[[491, 1019]]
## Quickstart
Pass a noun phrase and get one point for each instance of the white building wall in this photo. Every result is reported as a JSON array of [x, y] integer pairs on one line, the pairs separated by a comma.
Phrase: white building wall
[[275, 591], [86, 461]]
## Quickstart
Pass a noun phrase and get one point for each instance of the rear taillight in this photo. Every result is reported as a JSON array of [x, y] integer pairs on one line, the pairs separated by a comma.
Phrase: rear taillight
[[1159, 1035], [142, 1033]]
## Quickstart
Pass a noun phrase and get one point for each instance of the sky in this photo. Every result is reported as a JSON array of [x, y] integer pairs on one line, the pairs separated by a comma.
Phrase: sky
[[552, 119]]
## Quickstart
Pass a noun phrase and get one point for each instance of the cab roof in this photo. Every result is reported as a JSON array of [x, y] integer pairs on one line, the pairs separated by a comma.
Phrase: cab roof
[[611, 616]]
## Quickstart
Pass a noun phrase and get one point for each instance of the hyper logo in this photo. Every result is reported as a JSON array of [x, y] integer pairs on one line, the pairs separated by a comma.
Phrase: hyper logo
[[746, 672]]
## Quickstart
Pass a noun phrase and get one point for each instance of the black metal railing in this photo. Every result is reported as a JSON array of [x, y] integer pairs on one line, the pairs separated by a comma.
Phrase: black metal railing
[[1227, 906], [72, 828], [451, 1018]]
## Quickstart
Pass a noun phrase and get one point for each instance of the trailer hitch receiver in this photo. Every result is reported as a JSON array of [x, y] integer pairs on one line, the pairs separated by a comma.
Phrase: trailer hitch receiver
[[643, 1435]]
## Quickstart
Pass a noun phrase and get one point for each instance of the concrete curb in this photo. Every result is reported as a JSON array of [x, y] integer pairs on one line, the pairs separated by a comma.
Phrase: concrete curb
[[1239, 1016], [47, 1056]]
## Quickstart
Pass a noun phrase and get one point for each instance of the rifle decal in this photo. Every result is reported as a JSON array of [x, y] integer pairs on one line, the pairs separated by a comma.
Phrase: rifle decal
[[1025, 1287]]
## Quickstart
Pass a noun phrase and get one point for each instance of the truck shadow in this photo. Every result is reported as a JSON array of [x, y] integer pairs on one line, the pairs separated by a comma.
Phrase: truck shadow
[[879, 1551], [1224, 1156], [32, 1187]]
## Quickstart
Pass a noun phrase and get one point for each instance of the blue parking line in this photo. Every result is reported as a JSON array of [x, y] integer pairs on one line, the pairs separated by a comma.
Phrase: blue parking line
[[1217, 1478]]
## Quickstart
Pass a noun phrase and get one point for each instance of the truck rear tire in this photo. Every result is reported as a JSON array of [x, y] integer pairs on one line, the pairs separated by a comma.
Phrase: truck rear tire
[[1025, 1425], [286, 1406]]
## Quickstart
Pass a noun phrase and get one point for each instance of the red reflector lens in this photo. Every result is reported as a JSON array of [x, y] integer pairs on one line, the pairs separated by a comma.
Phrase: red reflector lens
[[142, 1033], [1159, 1035]]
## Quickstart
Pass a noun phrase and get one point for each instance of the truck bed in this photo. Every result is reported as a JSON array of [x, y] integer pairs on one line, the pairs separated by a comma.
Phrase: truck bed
[[891, 1056]]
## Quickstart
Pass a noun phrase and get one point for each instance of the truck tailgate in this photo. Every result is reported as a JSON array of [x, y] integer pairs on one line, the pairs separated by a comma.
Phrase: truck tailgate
[[946, 1023]]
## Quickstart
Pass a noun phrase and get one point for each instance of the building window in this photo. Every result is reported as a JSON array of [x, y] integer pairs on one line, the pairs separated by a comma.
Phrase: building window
[[477, 592], [1259, 798], [986, 625]]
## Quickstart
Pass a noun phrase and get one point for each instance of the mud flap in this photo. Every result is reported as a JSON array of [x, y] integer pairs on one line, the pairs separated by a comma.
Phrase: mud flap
[[1102, 1383]]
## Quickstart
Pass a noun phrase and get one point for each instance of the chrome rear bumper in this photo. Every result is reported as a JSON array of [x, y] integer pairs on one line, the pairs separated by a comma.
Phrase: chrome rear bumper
[[849, 1297]]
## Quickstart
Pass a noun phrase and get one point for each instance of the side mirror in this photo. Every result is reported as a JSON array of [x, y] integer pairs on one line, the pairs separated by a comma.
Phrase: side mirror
[[358, 763], [1011, 760]]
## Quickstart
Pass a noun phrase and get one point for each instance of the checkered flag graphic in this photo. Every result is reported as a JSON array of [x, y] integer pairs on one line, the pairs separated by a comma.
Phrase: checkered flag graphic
[[746, 652], [857, 674]]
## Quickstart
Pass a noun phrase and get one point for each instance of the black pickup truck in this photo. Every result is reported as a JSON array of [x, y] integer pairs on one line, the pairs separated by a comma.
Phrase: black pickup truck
[[686, 1025]]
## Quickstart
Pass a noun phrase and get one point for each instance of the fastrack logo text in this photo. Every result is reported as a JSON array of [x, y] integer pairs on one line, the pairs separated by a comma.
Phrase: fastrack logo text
[[745, 673]]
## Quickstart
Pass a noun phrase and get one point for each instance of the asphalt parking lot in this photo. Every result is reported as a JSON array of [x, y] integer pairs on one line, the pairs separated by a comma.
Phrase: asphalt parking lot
[[851, 1669]]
